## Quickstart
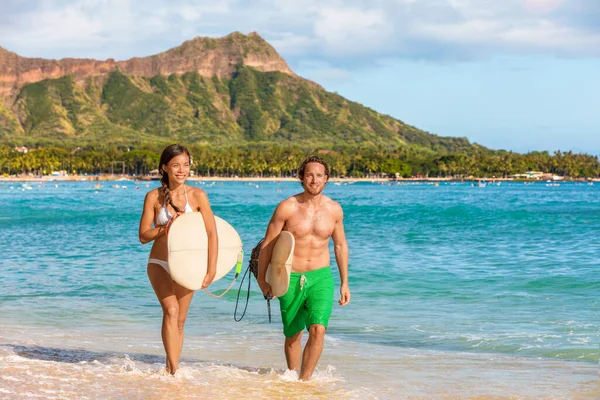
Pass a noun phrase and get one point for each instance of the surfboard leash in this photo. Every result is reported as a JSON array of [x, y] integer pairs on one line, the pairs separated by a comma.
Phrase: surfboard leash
[[268, 298], [238, 269], [237, 301], [252, 267]]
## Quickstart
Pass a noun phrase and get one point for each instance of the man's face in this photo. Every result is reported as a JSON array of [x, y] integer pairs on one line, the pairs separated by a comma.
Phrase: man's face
[[314, 178]]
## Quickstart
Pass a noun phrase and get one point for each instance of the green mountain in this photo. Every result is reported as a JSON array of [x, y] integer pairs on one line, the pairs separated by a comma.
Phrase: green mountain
[[229, 91]]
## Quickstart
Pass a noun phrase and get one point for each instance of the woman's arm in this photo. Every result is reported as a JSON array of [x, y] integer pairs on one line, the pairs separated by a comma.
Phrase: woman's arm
[[147, 233], [211, 232]]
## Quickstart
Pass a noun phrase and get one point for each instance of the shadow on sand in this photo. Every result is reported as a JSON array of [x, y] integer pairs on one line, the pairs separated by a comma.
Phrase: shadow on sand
[[75, 356]]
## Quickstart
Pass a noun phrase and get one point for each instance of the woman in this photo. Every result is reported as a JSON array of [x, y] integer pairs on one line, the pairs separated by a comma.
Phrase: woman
[[161, 207]]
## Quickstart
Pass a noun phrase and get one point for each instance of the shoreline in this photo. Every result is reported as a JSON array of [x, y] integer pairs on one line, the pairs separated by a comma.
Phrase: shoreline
[[109, 177], [134, 366]]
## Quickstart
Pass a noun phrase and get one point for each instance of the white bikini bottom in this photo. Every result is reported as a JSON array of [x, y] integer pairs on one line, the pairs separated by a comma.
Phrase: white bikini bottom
[[162, 263]]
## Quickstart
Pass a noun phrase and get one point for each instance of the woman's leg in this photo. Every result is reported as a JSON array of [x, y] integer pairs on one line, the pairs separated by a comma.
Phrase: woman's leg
[[184, 298], [164, 288]]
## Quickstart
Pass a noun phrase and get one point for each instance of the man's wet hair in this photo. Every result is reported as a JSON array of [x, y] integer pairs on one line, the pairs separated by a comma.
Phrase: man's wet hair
[[311, 159]]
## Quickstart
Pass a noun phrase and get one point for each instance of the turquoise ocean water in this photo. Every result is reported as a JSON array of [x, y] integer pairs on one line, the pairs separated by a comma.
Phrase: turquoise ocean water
[[456, 291]]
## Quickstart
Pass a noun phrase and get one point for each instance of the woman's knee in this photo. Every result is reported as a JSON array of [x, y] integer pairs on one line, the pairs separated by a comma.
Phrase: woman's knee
[[180, 323], [171, 312]]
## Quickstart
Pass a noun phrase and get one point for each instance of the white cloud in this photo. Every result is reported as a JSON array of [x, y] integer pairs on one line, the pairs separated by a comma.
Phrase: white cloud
[[194, 10], [546, 36], [352, 30], [291, 44], [336, 31], [534, 36], [190, 13], [542, 6], [322, 72], [85, 28]]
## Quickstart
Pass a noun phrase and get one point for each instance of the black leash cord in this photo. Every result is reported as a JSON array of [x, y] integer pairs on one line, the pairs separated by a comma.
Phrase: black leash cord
[[238, 296], [237, 301]]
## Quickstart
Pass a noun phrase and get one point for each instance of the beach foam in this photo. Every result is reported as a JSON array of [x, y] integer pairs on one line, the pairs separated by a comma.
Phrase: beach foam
[[350, 371]]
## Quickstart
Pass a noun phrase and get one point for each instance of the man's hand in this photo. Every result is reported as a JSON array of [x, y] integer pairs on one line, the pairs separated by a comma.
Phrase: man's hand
[[344, 295], [266, 289]]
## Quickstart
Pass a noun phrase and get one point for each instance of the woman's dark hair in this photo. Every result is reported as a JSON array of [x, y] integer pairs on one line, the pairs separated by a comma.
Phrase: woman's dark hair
[[310, 159], [167, 155]]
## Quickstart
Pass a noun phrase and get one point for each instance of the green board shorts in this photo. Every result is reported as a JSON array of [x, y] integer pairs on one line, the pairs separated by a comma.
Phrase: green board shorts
[[308, 301]]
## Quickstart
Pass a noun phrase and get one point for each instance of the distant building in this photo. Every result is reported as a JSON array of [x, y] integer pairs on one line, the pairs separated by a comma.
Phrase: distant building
[[530, 175], [23, 149], [534, 174], [551, 177]]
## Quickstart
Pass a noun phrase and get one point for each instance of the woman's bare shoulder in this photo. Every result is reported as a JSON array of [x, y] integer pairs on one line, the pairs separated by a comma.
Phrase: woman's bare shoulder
[[153, 195], [198, 196], [195, 191]]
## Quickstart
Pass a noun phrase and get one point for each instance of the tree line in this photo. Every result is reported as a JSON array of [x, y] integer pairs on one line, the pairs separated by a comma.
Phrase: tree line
[[282, 161]]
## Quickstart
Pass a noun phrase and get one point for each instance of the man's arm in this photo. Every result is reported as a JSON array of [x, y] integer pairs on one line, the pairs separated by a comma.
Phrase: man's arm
[[274, 228], [340, 246]]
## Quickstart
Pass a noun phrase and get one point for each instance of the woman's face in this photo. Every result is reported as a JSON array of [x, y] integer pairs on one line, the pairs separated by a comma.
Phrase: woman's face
[[178, 168]]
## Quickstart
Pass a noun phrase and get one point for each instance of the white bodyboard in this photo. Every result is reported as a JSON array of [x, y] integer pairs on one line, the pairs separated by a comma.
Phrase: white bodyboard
[[280, 267], [188, 249]]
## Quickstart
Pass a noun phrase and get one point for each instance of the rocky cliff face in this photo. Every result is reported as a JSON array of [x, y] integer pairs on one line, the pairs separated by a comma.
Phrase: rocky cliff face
[[207, 56]]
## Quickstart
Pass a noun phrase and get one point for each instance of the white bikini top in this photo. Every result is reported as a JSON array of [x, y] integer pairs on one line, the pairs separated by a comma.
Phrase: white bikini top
[[164, 216]]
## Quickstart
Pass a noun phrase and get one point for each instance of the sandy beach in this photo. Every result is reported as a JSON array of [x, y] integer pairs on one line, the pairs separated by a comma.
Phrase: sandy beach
[[110, 177], [119, 177]]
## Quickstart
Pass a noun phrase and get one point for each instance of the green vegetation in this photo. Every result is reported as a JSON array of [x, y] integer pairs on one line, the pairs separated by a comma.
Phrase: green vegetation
[[281, 161], [251, 107], [254, 123]]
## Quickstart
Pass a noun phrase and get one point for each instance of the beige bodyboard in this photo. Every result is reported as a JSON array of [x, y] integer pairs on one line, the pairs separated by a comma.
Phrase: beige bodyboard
[[188, 249], [280, 267]]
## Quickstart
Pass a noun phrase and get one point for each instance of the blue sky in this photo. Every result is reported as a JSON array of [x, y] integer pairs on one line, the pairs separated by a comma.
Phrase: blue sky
[[518, 75]]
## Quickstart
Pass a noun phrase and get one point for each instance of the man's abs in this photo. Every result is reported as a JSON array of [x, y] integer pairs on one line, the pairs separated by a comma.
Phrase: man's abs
[[310, 254]]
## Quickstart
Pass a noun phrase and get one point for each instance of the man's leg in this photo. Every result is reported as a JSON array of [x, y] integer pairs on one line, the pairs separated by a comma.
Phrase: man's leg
[[319, 300], [293, 316], [312, 351], [293, 351]]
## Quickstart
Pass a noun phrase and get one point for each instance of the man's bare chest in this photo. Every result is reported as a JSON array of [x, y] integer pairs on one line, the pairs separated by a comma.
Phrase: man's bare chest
[[311, 223]]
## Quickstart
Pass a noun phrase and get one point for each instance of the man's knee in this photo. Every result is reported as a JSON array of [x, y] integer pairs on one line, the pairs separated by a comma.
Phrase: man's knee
[[317, 330], [293, 339]]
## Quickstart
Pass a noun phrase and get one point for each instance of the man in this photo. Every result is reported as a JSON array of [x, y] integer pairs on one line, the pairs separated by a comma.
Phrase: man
[[312, 218]]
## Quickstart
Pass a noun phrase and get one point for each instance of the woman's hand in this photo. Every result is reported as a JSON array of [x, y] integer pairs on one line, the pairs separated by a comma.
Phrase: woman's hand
[[208, 278], [168, 225]]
